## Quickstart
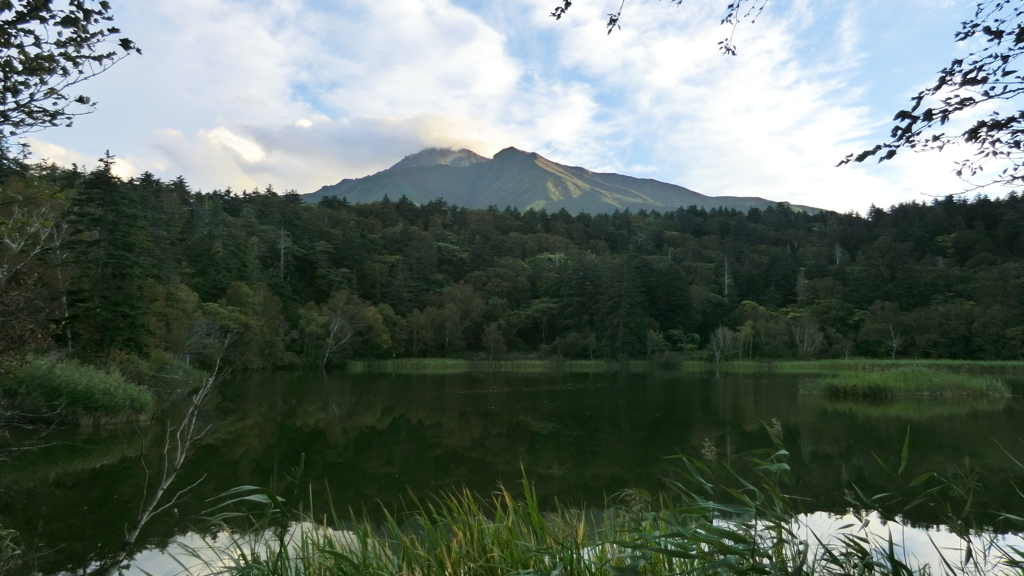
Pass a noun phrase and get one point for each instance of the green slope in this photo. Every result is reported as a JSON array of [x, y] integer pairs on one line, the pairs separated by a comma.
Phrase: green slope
[[523, 180]]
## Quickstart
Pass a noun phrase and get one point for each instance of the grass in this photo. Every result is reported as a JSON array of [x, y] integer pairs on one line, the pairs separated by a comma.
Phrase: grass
[[712, 519], [876, 365], [909, 381], [10, 551], [687, 366], [70, 390], [462, 366]]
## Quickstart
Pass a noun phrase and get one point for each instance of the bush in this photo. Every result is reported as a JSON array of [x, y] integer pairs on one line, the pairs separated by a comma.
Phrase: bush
[[68, 389]]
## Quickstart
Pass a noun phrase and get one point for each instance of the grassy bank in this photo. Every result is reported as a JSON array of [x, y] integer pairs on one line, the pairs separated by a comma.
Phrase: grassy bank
[[461, 366], [70, 391], [464, 366], [877, 365], [912, 381]]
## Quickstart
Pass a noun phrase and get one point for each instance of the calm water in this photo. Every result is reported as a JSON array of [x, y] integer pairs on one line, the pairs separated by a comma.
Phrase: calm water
[[370, 438]]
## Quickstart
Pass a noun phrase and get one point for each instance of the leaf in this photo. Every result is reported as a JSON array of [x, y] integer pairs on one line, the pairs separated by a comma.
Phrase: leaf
[[921, 479], [906, 452]]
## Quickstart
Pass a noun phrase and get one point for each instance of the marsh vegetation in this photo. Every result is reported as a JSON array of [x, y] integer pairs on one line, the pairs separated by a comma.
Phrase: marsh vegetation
[[904, 382]]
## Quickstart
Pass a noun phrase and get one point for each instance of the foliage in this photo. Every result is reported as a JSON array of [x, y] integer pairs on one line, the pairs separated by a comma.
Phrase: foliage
[[735, 12], [985, 78], [46, 50], [69, 389], [338, 324], [10, 551], [913, 381], [145, 267]]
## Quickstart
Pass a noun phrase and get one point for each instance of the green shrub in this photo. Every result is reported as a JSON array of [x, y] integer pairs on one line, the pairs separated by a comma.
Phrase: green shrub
[[69, 389], [160, 371]]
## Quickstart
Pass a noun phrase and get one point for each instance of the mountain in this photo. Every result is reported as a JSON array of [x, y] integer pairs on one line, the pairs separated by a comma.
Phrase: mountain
[[524, 180]]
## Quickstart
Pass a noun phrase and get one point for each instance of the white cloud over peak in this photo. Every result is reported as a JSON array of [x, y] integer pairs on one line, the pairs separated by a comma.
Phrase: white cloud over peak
[[242, 94]]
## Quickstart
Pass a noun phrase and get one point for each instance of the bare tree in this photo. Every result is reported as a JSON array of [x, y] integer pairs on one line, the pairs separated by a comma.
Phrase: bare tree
[[721, 342], [179, 444], [807, 337], [338, 323], [24, 233], [893, 341], [801, 287]]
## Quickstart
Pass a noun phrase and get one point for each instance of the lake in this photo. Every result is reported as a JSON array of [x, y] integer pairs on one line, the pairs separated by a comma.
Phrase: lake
[[367, 439]]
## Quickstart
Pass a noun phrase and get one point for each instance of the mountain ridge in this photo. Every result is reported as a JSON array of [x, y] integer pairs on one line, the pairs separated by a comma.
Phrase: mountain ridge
[[525, 180]]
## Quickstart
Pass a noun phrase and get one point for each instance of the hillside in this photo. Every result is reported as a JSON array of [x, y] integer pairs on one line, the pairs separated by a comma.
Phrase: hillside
[[524, 180]]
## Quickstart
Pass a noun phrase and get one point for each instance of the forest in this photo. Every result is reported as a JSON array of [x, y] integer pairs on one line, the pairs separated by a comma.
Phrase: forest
[[99, 268]]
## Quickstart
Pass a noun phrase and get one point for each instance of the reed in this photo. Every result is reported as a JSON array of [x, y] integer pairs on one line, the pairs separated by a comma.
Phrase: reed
[[711, 519], [910, 381]]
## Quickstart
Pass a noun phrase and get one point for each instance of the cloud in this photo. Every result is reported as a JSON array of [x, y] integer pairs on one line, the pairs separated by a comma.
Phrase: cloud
[[243, 93], [320, 151], [47, 152], [772, 122]]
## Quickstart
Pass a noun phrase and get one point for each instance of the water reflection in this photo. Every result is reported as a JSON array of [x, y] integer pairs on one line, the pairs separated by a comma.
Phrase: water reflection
[[920, 549], [370, 438]]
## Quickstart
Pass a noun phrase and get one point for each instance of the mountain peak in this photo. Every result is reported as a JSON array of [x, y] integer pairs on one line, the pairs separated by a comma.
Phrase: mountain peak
[[524, 180], [512, 152], [438, 156]]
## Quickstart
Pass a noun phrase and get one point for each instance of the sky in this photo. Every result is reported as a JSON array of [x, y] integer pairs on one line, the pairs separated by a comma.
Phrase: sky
[[299, 94]]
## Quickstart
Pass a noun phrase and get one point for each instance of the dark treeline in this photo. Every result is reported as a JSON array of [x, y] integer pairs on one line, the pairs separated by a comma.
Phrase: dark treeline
[[106, 267]]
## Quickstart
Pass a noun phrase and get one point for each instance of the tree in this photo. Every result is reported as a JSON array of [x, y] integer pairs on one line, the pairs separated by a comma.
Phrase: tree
[[110, 247], [622, 307], [893, 341], [340, 322], [984, 78], [44, 52], [807, 337], [421, 331], [492, 340], [721, 343]]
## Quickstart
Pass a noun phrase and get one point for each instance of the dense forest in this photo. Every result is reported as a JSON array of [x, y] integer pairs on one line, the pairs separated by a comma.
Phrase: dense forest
[[102, 268]]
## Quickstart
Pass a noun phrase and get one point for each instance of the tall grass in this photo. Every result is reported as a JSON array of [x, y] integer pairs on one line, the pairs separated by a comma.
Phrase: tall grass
[[876, 365], [904, 382], [11, 552], [71, 390], [712, 519]]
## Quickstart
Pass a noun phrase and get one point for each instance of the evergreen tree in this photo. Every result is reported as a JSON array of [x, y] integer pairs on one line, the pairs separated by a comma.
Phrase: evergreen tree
[[111, 250]]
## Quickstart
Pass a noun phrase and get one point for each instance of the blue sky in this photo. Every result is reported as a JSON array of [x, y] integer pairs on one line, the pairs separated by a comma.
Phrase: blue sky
[[300, 94]]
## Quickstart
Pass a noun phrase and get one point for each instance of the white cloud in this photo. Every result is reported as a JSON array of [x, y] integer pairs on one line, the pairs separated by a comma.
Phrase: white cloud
[[45, 151], [242, 94], [766, 123], [247, 149]]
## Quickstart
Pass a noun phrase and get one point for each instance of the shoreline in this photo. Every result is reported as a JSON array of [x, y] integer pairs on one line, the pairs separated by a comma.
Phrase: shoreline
[[464, 366]]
